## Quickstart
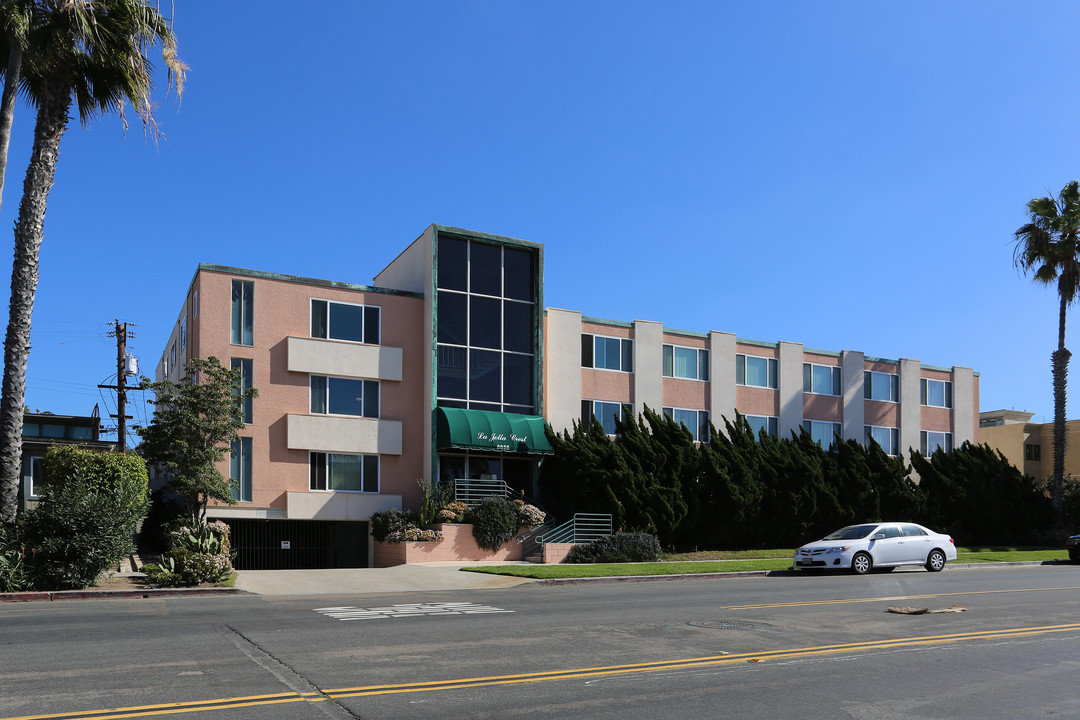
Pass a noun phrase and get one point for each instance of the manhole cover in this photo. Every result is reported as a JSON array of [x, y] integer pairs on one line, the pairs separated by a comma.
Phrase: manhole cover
[[730, 624]]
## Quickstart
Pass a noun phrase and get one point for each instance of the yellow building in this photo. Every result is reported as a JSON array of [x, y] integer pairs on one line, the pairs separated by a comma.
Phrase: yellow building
[[1027, 445]]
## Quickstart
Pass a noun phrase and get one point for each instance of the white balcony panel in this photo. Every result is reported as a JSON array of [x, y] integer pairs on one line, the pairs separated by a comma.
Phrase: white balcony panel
[[338, 505], [343, 359], [323, 433]]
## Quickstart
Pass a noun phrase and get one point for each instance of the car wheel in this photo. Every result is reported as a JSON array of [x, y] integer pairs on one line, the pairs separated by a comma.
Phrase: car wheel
[[861, 563], [935, 561]]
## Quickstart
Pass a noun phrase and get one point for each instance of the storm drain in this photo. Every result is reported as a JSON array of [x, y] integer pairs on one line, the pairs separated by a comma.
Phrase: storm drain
[[731, 624]]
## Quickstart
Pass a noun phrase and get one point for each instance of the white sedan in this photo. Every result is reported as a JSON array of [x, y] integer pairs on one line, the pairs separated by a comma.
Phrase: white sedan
[[861, 548]]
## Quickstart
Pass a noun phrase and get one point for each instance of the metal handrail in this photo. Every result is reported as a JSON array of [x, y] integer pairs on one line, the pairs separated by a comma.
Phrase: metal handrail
[[583, 527]]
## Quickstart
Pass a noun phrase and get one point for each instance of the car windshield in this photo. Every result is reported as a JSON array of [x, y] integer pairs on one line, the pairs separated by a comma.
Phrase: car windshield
[[851, 532]]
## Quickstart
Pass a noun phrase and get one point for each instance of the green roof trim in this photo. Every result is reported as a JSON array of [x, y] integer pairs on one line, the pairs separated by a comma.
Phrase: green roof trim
[[457, 429], [304, 280]]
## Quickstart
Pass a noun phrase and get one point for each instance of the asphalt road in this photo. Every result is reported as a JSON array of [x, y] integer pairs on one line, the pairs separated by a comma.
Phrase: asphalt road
[[795, 647]]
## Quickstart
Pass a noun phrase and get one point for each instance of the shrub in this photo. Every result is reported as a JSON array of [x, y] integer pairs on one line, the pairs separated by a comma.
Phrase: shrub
[[617, 548], [415, 534], [13, 566], [494, 520], [453, 512], [86, 519], [392, 521], [529, 515], [197, 554]]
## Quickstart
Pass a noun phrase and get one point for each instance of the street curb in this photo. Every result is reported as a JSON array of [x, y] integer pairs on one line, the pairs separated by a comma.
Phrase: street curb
[[111, 594], [767, 573]]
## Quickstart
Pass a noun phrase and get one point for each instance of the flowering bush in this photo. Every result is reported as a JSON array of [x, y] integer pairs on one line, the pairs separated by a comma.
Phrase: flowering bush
[[453, 512], [394, 525], [529, 515], [415, 534], [198, 554]]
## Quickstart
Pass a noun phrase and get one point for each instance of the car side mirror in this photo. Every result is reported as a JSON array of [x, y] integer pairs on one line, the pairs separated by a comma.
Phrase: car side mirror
[[879, 536]]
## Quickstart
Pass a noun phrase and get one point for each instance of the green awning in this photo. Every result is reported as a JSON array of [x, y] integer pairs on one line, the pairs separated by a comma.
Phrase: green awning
[[492, 431]]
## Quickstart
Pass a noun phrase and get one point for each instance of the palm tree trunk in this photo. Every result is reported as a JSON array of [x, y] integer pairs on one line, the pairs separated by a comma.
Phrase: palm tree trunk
[[52, 121], [7, 107], [1060, 371]]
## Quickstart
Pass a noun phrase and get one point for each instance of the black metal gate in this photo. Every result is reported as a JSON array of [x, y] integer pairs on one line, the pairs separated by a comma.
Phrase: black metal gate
[[297, 544]]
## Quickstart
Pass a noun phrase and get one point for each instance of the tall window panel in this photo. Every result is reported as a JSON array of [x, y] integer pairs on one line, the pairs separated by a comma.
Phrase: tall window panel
[[758, 423], [240, 469], [243, 306], [244, 365], [486, 326], [930, 442]]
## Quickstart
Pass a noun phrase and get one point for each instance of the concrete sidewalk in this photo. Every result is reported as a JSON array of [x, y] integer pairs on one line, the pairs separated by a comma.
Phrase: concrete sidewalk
[[400, 578]]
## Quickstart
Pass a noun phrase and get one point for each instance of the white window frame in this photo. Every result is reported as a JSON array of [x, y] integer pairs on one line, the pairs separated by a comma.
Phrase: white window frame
[[924, 442], [771, 424], [325, 458], [622, 353], [701, 362], [894, 438], [836, 428], [772, 371], [947, 393], [364, 319], [326, 397], [626, 409], [836, 379], [868, 386], [700, 416]]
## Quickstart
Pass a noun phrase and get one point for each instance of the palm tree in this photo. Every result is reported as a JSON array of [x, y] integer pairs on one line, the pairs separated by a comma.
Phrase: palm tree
[[93, 54], [1049, 248]]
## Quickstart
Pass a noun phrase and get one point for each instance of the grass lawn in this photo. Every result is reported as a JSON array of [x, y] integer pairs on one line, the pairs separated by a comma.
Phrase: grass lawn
[[719, 561]]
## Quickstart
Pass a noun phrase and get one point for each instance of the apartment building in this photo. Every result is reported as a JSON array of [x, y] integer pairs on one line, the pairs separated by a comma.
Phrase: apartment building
[[448, 367]]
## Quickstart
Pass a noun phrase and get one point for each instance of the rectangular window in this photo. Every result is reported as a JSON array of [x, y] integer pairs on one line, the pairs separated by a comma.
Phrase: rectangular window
[[823, 433], [243, 305], [605, 413], [240, 469], [607, 353], [888, 438], [1033, 452], [244, 365], [183, 334], [756, 371], [34, 469], [344, 396], [696, 421], [757, 423], [821, 379], [935, 393], [884, 387], [340, 472], [930, 442], [684, 362], [344, 321], [195, 304], [172, 359]]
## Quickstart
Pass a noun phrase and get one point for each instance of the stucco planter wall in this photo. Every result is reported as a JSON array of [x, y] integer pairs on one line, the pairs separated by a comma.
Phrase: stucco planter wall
[[458, 545]]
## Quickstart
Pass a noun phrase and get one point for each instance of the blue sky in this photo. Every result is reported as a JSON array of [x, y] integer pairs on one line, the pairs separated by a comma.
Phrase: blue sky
[[847, 175]]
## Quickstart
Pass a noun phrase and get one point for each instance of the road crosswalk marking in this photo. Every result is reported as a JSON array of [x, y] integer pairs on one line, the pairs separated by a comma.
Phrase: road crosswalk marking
[[409, 610]]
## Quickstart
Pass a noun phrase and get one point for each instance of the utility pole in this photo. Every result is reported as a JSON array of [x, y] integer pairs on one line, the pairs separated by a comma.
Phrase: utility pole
[[121, 333]]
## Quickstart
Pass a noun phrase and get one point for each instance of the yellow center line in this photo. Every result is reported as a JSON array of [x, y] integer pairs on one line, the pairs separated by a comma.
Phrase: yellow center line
[[887, 599], [547, 676]]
